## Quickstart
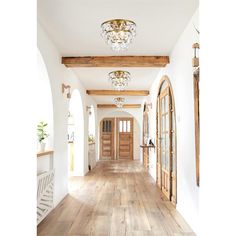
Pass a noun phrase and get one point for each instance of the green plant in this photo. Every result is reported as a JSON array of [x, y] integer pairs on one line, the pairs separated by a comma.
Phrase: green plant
[[91, 138], [42, 134]]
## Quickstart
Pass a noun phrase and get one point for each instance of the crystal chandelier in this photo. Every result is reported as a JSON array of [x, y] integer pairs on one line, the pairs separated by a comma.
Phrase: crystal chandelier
[[118, 33], [119, 79], [119, 101]]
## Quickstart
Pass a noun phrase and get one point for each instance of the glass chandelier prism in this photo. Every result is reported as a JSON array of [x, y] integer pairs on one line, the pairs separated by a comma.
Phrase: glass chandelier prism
[[119, 101], [119, 79], [118, 33]]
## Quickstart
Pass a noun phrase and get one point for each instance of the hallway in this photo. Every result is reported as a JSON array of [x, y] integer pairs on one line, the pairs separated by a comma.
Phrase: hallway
[[115, 198]]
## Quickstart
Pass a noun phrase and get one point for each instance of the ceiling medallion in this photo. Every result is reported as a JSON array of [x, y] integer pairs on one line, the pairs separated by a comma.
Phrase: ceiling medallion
[[118, 33], [119, 101], [119, 79]]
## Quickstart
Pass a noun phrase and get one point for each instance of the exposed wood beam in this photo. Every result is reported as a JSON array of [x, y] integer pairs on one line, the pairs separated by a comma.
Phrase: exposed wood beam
[[116, 61], [118, 93], [114, 106]]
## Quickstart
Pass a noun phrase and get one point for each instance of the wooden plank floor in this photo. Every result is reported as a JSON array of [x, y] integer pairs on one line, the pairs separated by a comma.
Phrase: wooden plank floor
[[116, 198]]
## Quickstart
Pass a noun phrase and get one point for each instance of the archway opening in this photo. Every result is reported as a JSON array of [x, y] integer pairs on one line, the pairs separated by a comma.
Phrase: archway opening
[[166, 136], [116, 117], [75, 135], [45, 168], [91, 138], [145, 136], [44, 111]]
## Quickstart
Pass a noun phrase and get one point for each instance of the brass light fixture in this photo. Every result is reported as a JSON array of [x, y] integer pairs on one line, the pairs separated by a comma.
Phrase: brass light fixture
[[119, 101], [66, 87], [119, 79], [118, 33], [195, 61]]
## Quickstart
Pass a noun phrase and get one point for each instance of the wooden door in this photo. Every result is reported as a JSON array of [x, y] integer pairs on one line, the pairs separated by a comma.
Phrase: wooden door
[[124, 138], [107, 139], [165, 147]]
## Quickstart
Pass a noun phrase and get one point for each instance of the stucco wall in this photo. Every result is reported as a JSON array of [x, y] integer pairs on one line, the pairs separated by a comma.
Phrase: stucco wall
[[59, 74]]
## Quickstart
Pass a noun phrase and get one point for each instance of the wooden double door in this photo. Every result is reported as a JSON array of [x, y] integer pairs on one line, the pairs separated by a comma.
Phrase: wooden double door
[[116, 138]]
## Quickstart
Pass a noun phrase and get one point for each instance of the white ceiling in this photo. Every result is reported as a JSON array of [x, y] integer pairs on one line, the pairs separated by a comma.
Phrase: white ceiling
[[74, 27], [97, 78]]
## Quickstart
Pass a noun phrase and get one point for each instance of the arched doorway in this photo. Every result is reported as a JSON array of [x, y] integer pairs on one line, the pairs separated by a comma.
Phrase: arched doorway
[[145, 136], [121, 119], [45, 168], [45, 105], [166, 136], [91, 138], [76, 135]]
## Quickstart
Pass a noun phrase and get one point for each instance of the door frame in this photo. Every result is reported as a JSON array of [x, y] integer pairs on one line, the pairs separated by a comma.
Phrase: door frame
[[117, 135], [158, 129]]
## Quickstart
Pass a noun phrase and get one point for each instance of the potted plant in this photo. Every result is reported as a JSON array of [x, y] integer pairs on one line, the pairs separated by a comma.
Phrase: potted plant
[[91, 139], [42, 135]]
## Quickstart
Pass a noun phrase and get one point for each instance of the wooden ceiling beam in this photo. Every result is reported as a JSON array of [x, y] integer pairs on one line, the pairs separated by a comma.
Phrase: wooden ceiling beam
[[116, 61], [114, 106], [118, 93]]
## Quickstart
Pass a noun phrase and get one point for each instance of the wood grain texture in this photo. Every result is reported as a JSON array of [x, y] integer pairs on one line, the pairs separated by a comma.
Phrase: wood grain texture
[[124, 139], [197, 123], [45, 153], [107, 139], [114, 106], [115, 198], [118, 93], [116, 61]]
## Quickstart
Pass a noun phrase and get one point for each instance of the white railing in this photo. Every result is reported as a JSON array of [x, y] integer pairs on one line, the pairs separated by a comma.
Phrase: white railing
[[45, 194]]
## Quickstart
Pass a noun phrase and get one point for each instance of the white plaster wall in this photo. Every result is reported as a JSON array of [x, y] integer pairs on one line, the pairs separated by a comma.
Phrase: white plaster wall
[[44, 103], [180, 74], [137, 114], [76, 109], [59, 74]]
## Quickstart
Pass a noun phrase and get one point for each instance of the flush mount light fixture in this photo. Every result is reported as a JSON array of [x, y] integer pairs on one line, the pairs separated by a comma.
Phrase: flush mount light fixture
[[119, 79], [118, 33], [119, 101]]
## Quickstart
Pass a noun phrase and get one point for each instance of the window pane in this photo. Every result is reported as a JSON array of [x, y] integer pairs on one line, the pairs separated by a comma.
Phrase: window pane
[[167, 103], [167, 122], [106, 129], [109, 126], [167, 160], [162, 105], [167, 141], [120, 126], [124, 126], [128, 126], [163, 159], [163, 123]]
